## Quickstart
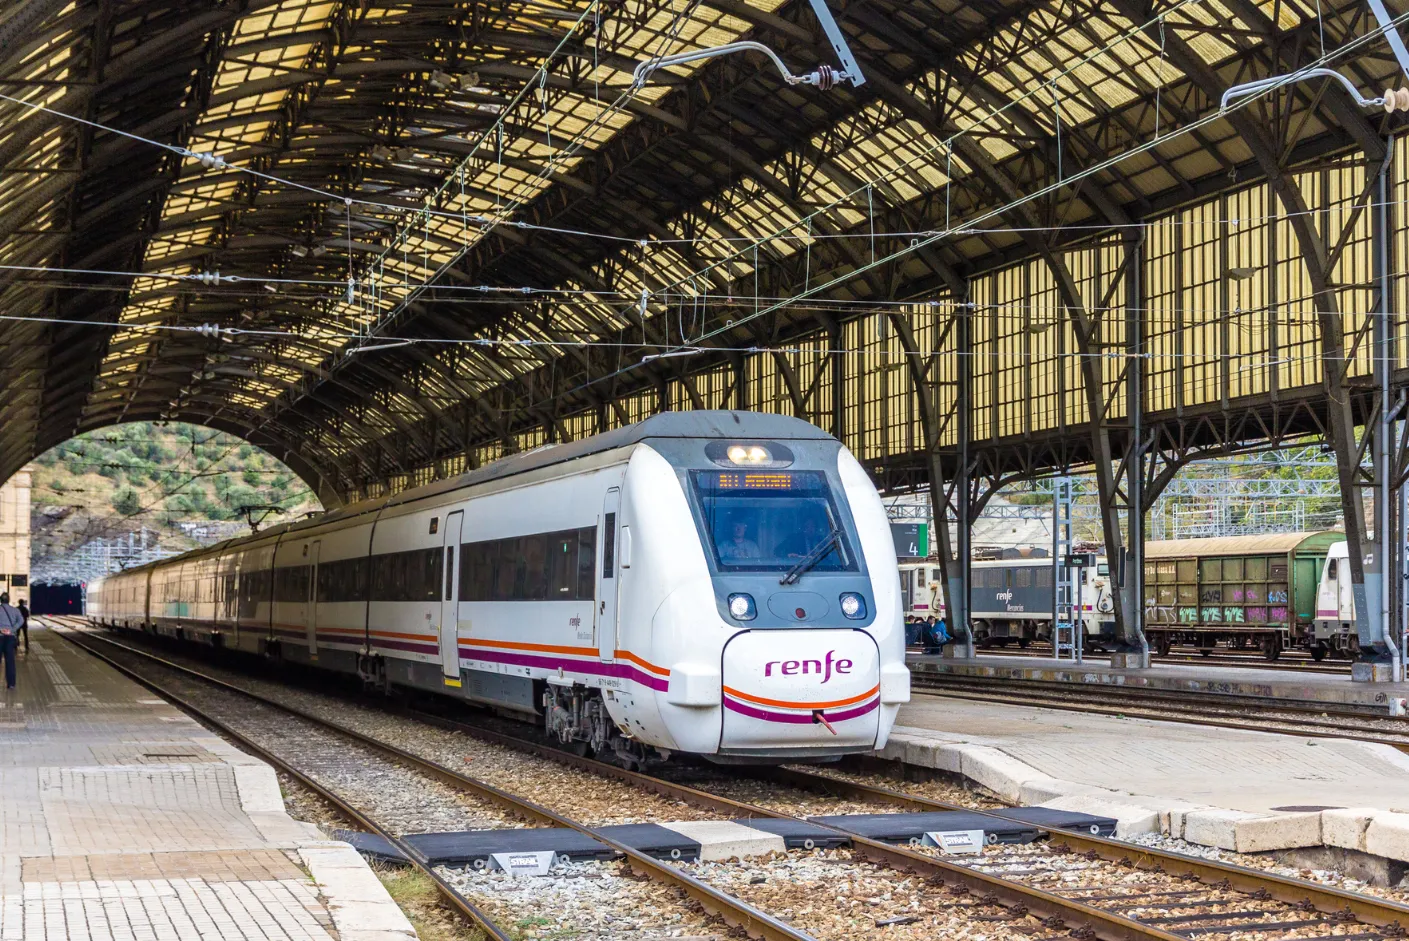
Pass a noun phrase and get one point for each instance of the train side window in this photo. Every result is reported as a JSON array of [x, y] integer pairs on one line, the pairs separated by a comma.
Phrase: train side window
[[534, 568], [1044, 577], [449, 573], [609, 547], [586, 562], [1024, 578]]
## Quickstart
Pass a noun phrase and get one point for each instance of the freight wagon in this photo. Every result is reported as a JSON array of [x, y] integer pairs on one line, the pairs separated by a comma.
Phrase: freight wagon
[[1244, 591]]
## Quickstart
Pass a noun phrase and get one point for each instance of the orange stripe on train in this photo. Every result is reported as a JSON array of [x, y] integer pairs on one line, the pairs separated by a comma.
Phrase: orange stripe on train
[[832, 704]]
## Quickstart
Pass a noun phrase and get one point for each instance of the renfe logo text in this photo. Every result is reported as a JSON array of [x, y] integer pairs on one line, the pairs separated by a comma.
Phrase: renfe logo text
[[824, 668]]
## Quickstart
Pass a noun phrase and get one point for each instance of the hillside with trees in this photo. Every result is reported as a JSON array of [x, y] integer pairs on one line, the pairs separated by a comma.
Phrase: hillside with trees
[[169, 484]]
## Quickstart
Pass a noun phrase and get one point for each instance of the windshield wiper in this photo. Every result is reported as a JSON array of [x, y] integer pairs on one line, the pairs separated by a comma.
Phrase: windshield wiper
[[818, 553]]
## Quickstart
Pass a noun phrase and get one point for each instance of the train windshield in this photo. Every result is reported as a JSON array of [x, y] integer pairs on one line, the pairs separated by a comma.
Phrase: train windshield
[[758, 521]]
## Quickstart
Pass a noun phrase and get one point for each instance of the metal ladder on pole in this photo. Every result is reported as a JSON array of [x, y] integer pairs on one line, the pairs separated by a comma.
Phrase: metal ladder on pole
[[1065, 640]]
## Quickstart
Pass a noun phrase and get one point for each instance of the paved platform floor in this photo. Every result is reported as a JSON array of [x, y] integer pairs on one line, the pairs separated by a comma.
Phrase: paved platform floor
[[122, 818], [1240, 790], [1288, 684]]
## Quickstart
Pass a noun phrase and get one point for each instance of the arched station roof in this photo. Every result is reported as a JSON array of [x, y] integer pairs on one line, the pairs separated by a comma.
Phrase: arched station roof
[[714, 185]]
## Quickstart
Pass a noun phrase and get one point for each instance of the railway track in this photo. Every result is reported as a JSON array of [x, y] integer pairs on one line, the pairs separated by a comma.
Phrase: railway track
[[370, 756], [1220, 711], [1224, 659], [1077, 885]]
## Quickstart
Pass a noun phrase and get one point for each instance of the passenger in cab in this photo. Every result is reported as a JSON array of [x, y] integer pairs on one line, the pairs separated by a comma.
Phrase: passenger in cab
[[739, 546]]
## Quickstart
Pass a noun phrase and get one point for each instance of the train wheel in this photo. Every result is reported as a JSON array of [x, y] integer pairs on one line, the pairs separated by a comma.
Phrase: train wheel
[[1271, 646], [1024, 642], [1162, 644], [1318, 653]]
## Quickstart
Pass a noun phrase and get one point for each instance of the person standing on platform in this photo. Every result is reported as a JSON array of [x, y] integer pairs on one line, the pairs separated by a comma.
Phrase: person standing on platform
[[10, 621], [24, 627], [931, 633]]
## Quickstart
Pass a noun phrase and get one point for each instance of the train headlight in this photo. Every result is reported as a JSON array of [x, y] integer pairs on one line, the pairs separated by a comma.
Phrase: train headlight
[[742, 607], [853, 605], [749, 454]]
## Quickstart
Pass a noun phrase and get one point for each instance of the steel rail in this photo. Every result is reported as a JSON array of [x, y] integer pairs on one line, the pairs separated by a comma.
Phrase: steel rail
[[1301, 727], [1326, 899], [459, 902], [735, 912], [1262, 885], [1086, 921], [1183, 697]]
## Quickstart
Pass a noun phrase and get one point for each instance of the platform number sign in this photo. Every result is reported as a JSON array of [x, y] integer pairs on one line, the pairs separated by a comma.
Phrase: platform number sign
[[912, 540]]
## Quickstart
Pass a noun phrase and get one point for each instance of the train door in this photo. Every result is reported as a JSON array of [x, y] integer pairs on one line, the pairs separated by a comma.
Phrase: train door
[[312, 601], [450, 601], [607, 575]]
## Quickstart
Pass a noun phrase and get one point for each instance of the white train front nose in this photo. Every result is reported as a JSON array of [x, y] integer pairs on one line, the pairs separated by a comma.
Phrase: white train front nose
[[800, 689]]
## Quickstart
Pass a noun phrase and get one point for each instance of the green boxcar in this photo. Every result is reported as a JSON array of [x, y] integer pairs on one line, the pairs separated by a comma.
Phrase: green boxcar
[[1244, 590]]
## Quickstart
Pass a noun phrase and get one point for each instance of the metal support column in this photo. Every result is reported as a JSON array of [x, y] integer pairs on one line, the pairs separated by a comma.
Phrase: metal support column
[[1381, 561], [1128, 574], [957, 591], [1066, 636]]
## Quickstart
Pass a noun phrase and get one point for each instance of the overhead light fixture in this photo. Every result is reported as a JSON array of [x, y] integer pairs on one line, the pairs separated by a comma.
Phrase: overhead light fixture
[[299, 251], [440, 81], [1241, 274], [823, 78], [381, 152]]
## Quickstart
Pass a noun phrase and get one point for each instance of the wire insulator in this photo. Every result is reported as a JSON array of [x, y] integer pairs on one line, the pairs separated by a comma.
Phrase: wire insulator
[[826, 77]]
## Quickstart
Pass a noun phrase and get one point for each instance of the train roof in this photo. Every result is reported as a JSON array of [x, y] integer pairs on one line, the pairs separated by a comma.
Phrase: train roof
[[704, 423], [1264, 544]]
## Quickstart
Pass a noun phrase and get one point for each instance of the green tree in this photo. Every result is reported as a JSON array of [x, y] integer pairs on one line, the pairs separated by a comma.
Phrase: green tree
[[126, 502]]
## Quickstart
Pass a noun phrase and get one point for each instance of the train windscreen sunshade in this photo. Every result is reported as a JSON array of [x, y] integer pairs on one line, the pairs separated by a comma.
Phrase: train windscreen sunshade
[[768, 520]]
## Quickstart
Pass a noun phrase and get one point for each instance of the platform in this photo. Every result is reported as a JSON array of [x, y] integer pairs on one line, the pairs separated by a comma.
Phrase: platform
[[1239, 790], [1288, 684], [120, 817]]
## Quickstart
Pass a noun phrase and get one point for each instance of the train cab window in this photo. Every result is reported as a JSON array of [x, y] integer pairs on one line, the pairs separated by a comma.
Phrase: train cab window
[[768, 521]]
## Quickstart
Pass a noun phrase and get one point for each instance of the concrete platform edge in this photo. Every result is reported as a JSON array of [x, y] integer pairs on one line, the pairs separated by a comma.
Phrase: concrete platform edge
[[1370, 830], [361, 908]]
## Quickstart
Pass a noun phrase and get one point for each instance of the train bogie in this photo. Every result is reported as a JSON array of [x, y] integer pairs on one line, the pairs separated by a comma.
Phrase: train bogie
[[701, 582]]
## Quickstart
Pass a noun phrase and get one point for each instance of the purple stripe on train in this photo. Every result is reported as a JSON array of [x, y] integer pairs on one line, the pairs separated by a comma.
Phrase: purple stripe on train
[[405, 645], [620, 670], [805, 718]]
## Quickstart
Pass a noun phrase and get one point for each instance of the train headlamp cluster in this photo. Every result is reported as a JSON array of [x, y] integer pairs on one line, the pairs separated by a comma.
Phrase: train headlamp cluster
[[853, 606], [741, 606], [749, 454]]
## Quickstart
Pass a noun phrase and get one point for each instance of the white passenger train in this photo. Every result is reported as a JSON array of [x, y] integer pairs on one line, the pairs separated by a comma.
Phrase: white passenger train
[[720, 583], [1011, 600]]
